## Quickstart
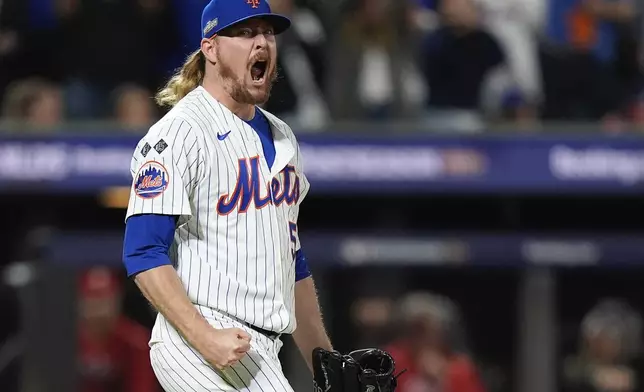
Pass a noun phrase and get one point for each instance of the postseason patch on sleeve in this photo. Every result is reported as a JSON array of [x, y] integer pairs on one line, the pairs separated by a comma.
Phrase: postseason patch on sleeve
[[151, 180]]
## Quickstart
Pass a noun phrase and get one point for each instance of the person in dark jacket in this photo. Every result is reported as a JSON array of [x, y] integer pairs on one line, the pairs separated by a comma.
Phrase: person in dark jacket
[[608, 353]]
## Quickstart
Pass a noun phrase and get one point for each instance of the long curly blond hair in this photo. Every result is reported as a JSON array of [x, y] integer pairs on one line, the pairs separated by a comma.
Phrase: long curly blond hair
[[186, 79]]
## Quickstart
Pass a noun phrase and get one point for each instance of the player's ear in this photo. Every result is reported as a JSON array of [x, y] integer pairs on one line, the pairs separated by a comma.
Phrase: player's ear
[[208, 49]]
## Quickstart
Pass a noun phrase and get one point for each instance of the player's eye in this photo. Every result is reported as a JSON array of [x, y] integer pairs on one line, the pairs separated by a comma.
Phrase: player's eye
[[269, 32], [246, 32]]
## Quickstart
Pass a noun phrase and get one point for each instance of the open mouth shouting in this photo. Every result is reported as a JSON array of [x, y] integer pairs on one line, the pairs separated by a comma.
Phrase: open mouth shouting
[[258, 71]]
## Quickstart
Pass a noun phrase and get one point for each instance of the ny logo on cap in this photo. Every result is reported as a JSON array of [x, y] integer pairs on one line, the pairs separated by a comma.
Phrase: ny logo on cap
[[253, 3]]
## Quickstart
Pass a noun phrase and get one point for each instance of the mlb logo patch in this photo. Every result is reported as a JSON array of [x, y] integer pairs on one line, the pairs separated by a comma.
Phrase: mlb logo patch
[[151, 180]]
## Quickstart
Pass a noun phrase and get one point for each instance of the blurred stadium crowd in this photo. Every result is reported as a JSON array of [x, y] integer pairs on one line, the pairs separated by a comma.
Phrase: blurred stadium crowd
[[427, 333], [442, 63], [438, 65]]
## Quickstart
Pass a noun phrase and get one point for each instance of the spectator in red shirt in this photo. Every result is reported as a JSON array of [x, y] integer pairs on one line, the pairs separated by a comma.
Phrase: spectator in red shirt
[[113, 351], [428, 351]]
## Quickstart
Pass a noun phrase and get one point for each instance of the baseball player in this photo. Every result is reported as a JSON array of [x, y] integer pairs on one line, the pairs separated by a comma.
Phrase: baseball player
[[211, 234]]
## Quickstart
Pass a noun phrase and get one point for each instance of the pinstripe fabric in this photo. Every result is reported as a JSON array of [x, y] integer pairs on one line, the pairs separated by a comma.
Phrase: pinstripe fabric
[[239, 262], [179, 367]]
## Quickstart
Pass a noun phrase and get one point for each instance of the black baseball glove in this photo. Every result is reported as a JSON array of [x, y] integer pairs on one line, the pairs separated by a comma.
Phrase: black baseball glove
[[367, 370]]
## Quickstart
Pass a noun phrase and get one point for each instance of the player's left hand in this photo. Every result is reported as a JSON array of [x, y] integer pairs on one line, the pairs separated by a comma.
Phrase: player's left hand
[[361, 370]]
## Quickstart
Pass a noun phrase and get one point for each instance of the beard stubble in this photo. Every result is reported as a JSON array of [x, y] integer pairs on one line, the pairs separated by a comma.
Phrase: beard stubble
[[238, 91]]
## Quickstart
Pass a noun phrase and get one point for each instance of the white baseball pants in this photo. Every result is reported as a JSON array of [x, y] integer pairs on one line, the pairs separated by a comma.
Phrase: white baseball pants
[[180, 368]]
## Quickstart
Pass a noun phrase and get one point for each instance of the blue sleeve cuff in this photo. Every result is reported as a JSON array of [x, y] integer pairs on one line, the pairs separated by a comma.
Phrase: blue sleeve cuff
[[301, 266], [147, 241]]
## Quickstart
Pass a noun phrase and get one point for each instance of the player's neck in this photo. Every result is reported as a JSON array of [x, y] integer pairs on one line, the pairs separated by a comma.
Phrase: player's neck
[[244, 111]]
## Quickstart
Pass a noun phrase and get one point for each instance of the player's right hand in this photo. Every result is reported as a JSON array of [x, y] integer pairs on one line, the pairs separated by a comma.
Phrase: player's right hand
[[226, 347]]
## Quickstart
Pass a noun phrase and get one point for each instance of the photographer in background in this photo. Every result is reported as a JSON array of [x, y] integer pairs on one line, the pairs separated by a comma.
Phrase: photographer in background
[[431, 347], [609, 354], [113, 350]]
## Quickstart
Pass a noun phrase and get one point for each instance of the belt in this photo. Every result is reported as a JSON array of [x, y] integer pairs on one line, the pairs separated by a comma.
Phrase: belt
[[270, 334]]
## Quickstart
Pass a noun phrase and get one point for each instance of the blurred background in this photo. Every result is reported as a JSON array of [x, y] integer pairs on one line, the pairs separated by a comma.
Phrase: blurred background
[[476, 169]]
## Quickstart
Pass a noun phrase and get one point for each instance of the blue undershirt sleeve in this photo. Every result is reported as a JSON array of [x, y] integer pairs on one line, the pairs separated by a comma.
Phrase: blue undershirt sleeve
[[148, 238], [301, 266]]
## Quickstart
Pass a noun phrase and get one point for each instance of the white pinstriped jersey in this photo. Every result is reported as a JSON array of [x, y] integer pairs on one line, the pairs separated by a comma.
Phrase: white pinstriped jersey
[[237, 233]]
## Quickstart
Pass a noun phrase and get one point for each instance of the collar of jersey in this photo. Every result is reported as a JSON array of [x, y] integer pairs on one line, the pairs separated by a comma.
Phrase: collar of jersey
[[223, 107]]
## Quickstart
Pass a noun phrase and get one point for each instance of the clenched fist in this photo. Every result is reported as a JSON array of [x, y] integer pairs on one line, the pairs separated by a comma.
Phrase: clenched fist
[[224, 347]]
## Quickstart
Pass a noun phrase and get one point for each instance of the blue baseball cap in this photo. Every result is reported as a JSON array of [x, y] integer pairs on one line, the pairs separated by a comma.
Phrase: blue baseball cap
[[220, 14]]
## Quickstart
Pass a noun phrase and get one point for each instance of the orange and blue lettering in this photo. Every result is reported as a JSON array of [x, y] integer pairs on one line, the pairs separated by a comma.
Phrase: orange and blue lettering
[[285, 188]]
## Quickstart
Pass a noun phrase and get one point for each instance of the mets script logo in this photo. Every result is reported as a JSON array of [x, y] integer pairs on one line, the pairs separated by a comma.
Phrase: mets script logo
[[253, 3], [285, 188], [151, 181]]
